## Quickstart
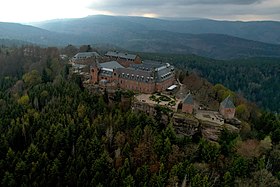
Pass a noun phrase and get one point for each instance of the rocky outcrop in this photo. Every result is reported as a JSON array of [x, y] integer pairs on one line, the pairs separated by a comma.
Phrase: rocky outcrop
[[185, 125], [233, 121], [231, 128], [188, 125], [210, 130]]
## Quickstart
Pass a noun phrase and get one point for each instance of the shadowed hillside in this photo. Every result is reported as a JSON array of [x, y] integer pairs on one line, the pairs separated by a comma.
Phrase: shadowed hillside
[[140, 34], [263, 31]]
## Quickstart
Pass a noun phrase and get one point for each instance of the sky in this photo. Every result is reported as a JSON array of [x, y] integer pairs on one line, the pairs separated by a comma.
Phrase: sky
[[25, 11]]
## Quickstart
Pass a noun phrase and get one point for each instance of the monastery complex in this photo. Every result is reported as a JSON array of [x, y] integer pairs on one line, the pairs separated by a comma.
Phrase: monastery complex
[[123, 71]]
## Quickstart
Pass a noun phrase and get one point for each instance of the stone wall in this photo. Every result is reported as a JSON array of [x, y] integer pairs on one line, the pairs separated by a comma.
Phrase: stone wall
[[143, 107]]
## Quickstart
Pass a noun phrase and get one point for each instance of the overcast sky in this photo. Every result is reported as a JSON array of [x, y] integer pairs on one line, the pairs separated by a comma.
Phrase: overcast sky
[[39, 10]]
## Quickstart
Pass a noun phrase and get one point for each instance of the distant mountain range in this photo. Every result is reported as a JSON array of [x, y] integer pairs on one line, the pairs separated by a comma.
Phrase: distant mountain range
[[215, 39], [262, 31]]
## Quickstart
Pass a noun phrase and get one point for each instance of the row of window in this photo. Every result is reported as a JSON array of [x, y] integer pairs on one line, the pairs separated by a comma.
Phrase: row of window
[[136, 77], [166, 75], [127, 59], [84, 57], [106, 72]]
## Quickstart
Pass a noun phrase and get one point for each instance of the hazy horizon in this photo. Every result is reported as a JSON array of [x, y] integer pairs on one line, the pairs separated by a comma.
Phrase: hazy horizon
[[34, 23]]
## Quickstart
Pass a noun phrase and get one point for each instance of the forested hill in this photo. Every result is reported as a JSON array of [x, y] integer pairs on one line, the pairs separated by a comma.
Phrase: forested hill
[[12, 43], [219, 40], [56, 133], [257, 79], [31, 34], [215, 46], [262, 31]]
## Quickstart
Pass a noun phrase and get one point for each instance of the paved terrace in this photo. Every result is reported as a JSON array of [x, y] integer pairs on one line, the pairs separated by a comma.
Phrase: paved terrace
[[145, 98]]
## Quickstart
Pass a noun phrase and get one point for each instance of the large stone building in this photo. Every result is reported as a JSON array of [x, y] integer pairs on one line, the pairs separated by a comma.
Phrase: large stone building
[[124, 59], [145, 77], [227, 108]]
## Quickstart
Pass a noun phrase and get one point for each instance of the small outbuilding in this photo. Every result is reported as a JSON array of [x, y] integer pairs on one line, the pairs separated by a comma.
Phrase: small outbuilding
[[227, 108], [188, 104]]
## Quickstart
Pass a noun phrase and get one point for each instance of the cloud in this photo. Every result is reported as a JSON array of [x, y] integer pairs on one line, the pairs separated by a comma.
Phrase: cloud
[[146, 3], [221, 2], [38, 10], [215, 9]]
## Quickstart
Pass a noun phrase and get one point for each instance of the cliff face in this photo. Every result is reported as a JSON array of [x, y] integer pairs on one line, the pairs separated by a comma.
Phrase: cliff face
[[187, 125], [210, 131]]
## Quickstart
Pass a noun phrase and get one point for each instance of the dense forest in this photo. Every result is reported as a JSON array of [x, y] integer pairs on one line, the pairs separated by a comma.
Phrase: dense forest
[[56, 133], [257, 79]]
